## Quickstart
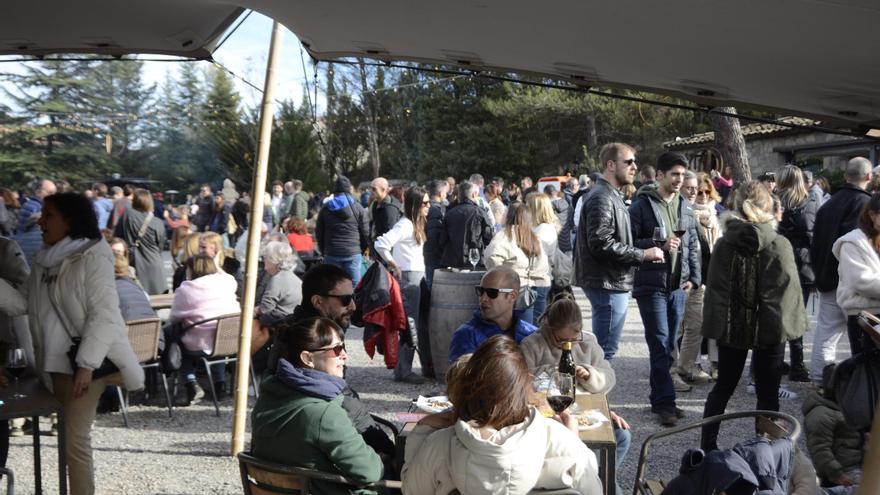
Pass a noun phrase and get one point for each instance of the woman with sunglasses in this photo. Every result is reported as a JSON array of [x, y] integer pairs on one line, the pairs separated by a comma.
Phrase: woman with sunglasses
[[517, 246], [299, 419], [402, 249], [561, 323]]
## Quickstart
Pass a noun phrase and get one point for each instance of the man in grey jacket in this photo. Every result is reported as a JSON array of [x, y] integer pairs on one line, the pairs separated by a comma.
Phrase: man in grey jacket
[[606, 259]]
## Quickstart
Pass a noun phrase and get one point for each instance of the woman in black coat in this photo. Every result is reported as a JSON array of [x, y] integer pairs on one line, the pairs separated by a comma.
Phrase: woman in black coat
[[145, 242], [798, 218]]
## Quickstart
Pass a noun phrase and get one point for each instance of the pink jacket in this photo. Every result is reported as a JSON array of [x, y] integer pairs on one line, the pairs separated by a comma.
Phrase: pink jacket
[[200, 299]]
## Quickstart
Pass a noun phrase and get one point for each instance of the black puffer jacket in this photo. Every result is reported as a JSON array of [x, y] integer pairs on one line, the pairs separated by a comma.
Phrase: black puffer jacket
[[383, 216], [836, 217], [606, 257], [652, 277], [797, 226], [466, 226], [433, 250], [341, 229]]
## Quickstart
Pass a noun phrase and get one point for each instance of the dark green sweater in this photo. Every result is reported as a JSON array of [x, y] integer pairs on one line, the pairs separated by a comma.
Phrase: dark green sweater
[[298, 430]]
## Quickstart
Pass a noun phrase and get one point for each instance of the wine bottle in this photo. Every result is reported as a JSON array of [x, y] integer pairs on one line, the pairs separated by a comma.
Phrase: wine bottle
[[566, 362]]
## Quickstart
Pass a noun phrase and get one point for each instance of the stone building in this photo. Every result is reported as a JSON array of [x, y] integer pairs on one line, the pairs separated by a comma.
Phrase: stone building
[[771, 146]]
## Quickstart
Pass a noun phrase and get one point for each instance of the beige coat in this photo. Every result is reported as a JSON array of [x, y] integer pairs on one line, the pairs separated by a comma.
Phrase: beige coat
[[86, 299], [504, 251], [539, 351], [539, 453], [859, 270]]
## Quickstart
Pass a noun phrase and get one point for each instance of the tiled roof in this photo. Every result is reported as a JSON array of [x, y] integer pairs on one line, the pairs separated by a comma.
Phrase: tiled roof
[[755, 129]]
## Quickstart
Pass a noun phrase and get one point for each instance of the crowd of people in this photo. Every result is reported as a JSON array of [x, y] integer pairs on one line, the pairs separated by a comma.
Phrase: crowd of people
[[716, 268]]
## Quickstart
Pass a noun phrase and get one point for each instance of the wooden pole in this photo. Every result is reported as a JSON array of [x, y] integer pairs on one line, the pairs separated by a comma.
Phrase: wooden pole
[[242, 370]]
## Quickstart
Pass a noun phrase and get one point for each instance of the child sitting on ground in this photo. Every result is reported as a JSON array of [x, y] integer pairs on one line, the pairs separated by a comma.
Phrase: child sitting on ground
[[836, 449]]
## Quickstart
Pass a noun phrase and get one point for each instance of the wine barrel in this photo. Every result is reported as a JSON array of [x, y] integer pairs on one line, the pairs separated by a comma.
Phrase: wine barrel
[[453, 302]]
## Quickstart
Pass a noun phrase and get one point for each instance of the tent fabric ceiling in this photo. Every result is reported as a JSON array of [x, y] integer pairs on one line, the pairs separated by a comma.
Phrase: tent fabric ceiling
[[808, 57]]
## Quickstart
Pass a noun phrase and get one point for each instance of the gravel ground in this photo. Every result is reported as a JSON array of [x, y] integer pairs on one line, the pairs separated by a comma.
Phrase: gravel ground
[[189, 453]]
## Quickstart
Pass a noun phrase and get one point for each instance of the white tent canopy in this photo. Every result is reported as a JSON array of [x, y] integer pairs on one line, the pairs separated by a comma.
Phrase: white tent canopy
[[815, 58]]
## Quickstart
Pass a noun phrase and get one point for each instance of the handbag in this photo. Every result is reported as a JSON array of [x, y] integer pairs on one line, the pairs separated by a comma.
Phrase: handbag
[[137, 240], [527, 295], [107, 367]]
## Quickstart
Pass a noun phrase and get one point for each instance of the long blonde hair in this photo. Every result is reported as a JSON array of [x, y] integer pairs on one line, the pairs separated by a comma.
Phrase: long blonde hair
[[754, 202], [791, 188], [542, 209], [518, 228]]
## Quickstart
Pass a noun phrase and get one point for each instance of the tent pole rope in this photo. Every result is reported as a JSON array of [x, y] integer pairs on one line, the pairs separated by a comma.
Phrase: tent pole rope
[[242, 371]]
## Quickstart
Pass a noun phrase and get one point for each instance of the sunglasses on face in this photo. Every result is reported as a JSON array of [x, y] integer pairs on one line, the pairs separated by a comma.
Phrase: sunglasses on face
[[336, 349], [344, 299], [426, 203], [492, 293], [704, 193], [631, 161]]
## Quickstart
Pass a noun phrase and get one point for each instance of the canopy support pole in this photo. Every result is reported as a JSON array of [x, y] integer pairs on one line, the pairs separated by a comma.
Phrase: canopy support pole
[[242, 370]]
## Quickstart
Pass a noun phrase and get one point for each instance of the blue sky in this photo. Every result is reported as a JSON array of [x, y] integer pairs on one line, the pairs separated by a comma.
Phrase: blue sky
[[245, 53]]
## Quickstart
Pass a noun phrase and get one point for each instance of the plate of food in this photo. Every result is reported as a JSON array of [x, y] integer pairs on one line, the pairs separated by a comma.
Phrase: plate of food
[[590, 419], [436, 404]]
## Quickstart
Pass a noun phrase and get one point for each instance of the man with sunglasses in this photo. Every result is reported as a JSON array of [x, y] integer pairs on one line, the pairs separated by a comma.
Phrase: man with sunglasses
[[606, 259], [497, 292]]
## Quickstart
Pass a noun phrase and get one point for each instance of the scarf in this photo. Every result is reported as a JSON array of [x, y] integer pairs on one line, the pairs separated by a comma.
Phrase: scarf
[[52, 256], [309, 381]]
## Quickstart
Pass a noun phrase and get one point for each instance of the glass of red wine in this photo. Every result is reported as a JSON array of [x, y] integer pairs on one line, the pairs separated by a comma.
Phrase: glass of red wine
[[561, 393], [679, 231], [16, 363], [659, 238]]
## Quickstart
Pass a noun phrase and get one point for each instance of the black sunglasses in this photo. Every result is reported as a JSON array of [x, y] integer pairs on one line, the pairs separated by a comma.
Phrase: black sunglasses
[[491, 292], [336, 349], [631, 161], [344, 299]]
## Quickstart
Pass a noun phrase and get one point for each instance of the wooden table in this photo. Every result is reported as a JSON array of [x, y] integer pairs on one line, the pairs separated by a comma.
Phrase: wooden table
[[161, 301], [38, 402], [600, 439]]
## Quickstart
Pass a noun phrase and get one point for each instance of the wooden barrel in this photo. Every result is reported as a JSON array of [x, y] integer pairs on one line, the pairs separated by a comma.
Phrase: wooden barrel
[[453, 302]]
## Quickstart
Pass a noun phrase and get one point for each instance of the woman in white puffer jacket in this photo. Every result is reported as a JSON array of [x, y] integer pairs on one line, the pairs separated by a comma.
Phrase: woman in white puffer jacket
[[859, 270], [71, 292], [493, 441]]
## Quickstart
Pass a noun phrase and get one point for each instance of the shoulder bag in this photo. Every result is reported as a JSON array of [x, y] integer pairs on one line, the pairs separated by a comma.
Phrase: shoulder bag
[[526, 296]]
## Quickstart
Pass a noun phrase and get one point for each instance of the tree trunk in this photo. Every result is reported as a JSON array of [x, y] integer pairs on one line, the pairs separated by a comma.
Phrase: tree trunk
[[730, 143], [372, 126]]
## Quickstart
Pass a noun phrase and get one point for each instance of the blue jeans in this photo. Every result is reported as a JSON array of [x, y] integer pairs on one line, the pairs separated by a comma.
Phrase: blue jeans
[[190, 362], [351, 265], [540, 303], [609, 314], [662, 313]]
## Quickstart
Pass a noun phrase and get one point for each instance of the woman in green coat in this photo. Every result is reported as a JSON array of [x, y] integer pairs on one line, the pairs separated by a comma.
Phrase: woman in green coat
[[299, 420], [753, 302]]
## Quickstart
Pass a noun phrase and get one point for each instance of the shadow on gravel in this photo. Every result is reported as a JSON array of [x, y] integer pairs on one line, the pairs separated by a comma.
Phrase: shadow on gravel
[[194, 449]]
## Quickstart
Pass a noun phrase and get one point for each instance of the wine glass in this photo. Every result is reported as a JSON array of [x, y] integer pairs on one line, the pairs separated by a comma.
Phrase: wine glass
[[562, 392], [474, 257], [16, 363], [541, 384], [659, 238], [679, 230]]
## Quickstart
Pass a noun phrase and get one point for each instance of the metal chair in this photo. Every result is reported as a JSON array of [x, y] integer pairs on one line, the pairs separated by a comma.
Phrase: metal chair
[[259, 477], [225, 350], [144, 338]]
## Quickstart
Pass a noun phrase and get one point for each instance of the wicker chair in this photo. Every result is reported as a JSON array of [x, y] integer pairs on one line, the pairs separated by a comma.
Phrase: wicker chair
[[225, 350], [144, 338], [259, 477]]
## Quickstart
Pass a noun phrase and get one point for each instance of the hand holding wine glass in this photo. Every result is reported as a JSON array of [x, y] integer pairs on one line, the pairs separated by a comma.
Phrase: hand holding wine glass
[[679, 230], [561, 393]]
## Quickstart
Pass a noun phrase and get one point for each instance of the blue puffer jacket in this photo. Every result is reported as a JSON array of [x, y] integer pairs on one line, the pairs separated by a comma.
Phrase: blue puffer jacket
[[652, 277], [474, 332], [31, 206]]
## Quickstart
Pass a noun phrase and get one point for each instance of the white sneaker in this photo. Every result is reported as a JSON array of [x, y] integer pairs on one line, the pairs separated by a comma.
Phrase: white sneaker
[[786, 394], [679, 384]]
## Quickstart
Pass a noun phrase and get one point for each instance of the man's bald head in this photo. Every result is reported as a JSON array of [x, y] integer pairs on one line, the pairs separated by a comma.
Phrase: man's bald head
[[379, 186], [45, 188], [858, 171], [501, 277]]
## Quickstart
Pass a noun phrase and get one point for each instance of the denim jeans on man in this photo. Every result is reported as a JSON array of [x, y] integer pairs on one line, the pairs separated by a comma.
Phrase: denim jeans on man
[[351, 265], [533, 312], [609, 313], [661, 312]]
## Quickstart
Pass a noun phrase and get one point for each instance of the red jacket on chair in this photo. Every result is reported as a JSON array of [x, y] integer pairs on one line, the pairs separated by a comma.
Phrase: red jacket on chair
[[380, 306]]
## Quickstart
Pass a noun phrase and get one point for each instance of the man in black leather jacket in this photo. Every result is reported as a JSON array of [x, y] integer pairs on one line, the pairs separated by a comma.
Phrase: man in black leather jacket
[[606, 259], [433, 250], [466, 226]]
